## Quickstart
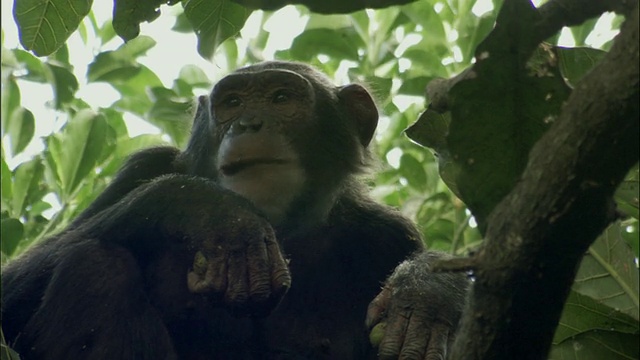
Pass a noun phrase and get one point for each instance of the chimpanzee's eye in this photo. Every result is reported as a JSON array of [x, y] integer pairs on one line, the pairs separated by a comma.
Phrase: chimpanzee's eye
[[232, 101], [281, 96]]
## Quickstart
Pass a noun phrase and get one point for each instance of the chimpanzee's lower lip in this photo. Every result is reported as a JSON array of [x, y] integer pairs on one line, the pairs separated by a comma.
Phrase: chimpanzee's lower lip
[[233, 168]]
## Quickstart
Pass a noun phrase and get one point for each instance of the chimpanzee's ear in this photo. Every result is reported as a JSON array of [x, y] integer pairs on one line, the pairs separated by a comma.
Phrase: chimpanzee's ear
[[360, 108]]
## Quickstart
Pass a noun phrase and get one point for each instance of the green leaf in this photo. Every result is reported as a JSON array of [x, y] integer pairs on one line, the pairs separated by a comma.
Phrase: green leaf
[[173, 116], [496, 118], [415, 85], [134, 91], [108, 67], [609, 345], [45, 25], [335, 43], [431, 130], [64, 84], [26, 185], [194, 76], [609, 274], [61, 57], [35, 67], [127, 16], [214, 22], [380, 87], [12, 230], [319, 21], [76, 150], [120, 64], [422, 13], [440, 230], [21, 129], [10, 100], [182, 24], [6, 178], [581, 32], [413, 171], [576, 62], [106, 32], [583, 314], [627, 195]]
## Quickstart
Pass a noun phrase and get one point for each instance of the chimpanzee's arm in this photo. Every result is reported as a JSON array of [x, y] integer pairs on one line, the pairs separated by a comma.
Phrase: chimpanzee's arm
[[141, 167]]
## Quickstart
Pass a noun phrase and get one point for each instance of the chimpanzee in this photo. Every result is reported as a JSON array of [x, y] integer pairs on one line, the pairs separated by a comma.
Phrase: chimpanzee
[[256, 242]]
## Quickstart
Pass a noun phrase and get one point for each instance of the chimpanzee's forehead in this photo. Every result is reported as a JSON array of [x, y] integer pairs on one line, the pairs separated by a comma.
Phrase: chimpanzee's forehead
[[262, 80]]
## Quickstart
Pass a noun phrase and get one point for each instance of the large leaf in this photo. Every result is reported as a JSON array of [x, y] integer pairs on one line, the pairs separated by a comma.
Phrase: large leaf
[[45, 25], [34, 67], [609, 274], [171, 113], [627, 194], [412, 170], [6, 179], [134, 91], [338, 43], [431, 130], [598, 345], [576, 62], [214, 22], [26, 185], [10, 98], [120, 64], [76, 150], [499, 113], [583, 314], [20, 129], [64, 84]]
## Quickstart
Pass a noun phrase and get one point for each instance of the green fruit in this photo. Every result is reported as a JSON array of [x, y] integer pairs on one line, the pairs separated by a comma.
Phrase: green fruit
[[377, 333]]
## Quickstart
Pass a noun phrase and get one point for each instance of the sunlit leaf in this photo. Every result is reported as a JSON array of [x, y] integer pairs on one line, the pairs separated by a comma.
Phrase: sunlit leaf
[[171, 113], [583, 30], [10, 100], [194, 76], [34, 66], [27, 177], [44, 26], [21, 129], [76, 150], [413, 171], [120, 64], [214, 22], [576, 62], [134, 91], [340, 43], [64, 84], [7, 185]]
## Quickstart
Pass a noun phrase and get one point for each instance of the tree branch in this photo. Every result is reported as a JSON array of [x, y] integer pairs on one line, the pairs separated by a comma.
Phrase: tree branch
[[537, 235], [553, 16], [557, 14]]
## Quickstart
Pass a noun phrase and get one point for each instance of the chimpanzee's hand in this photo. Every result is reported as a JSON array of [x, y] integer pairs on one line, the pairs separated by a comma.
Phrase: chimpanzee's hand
[[238, 259], [416, 314]]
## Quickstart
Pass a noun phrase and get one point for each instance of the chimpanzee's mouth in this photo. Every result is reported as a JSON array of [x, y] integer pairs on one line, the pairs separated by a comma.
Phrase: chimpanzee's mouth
[[235, 167]]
